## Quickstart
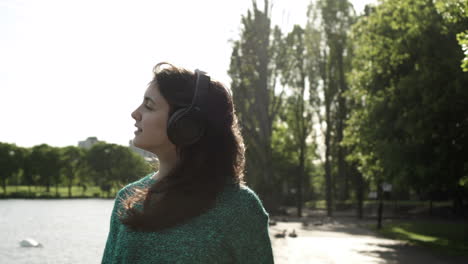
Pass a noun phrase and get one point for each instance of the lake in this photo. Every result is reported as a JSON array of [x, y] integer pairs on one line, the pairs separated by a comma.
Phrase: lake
[[71, 231]]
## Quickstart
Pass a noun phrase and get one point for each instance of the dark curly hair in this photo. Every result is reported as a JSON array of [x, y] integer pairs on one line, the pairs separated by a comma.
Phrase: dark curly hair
[[202, 169]]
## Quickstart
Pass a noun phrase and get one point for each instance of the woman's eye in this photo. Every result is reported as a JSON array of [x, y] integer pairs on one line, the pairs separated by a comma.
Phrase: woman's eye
[[147, 107]]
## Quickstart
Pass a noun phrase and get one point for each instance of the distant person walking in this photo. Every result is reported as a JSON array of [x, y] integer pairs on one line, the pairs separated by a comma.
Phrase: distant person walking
[[196, 208]]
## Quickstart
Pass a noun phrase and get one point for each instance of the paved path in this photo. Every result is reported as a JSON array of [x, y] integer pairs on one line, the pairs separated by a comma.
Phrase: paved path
[[343, 241]]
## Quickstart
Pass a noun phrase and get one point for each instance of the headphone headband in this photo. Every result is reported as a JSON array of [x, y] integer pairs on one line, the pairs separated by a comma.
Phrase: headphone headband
[[202, 82]]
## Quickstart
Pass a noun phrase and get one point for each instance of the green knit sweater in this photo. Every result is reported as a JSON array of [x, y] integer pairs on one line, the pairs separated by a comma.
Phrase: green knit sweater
[[234, 231]]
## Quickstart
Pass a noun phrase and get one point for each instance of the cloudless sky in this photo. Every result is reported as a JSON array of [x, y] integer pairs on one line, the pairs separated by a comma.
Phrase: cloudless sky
[[74, 69]]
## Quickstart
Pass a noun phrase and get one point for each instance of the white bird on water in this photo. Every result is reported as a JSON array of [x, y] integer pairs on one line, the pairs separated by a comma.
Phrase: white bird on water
[[29, 242]]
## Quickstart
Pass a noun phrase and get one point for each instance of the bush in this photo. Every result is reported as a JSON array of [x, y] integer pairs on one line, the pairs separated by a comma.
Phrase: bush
[[46, 195], [21, 194]]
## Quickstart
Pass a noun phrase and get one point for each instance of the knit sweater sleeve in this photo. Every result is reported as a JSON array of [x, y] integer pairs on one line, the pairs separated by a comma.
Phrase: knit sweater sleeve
[[248, 236], [112, 237]]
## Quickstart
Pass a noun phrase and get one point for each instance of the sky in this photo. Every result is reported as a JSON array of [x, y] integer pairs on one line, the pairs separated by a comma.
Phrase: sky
[[74, 69]]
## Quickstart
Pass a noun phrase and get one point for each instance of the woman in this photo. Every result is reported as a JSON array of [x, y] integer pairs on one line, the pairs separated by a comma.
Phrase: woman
[[196, 207]]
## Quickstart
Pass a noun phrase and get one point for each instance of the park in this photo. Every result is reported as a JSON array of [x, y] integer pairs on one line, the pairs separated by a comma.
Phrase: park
[[355, 128]]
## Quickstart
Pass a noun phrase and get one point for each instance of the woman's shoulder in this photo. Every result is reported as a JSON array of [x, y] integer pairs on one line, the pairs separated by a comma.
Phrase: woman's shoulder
[[241, 199], [142, 182]]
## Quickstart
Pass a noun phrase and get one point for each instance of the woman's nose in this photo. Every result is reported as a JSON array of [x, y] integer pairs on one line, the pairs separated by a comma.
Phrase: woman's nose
[[136, 115]]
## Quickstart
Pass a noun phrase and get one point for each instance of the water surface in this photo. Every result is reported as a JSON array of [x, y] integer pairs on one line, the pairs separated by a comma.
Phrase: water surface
[[72, 231]]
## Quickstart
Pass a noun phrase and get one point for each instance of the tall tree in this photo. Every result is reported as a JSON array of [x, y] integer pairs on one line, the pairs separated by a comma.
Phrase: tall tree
[[329, 24], [299, 109], [254, 75]]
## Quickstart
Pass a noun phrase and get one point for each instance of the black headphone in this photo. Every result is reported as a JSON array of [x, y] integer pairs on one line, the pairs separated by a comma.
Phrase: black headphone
[[187, 125]]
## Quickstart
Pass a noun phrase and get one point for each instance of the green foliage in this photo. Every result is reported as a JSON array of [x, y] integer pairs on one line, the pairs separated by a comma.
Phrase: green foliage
[[10, 162], [45, 165], [456, 13], [21, 194], [115, 165], [109, 166], [409, 124], [73, 162], [463, 41]]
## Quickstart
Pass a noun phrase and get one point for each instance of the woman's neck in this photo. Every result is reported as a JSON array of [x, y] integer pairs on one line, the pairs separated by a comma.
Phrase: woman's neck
[[166, 163]]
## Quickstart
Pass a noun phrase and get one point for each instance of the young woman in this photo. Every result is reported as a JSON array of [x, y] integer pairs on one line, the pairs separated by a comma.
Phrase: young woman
[[196, 208]]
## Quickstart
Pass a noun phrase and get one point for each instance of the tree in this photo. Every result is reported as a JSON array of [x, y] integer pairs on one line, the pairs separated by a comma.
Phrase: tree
[[115, 165], [101, 160], [328, 26], [9, 162], [411, 125], [299, 109], [254, 75], [72, 159], [45, 162], [28, 169], [54, 161]]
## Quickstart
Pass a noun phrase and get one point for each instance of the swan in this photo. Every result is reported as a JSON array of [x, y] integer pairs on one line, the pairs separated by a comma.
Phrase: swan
[[281, 235], [29, 242], [293, 234]]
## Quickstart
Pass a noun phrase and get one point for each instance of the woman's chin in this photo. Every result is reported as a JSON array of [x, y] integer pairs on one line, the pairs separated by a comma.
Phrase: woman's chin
[[140, 145], [136, 143]]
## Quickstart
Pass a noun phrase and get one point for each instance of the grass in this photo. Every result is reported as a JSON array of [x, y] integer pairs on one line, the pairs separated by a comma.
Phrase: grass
[[445, 237], [40, 192], [322, 204]]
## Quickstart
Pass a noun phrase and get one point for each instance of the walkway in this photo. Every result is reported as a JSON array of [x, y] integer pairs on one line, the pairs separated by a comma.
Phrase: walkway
[[344, 241]]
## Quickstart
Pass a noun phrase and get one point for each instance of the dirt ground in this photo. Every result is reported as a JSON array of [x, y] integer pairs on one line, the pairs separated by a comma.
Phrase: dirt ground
[[343, 240]]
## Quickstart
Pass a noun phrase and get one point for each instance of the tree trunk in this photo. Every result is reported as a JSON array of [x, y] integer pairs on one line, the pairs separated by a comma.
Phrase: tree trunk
[[360, 194], [69, 186], [342, 172], [328, 177], [4, 185], [380, 211], [300, 179], [430, 206]]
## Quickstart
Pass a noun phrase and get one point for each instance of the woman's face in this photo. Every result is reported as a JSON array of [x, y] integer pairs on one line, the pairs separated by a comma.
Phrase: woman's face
[[151, 122]]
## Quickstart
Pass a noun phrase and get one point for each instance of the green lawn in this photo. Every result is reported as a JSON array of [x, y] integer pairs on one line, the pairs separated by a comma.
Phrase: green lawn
[[322, 204], [40, 192], [446, 237]]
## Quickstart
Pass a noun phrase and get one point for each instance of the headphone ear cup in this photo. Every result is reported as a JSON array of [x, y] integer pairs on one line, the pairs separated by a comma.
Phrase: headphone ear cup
[[173, 119], [185, 127]]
